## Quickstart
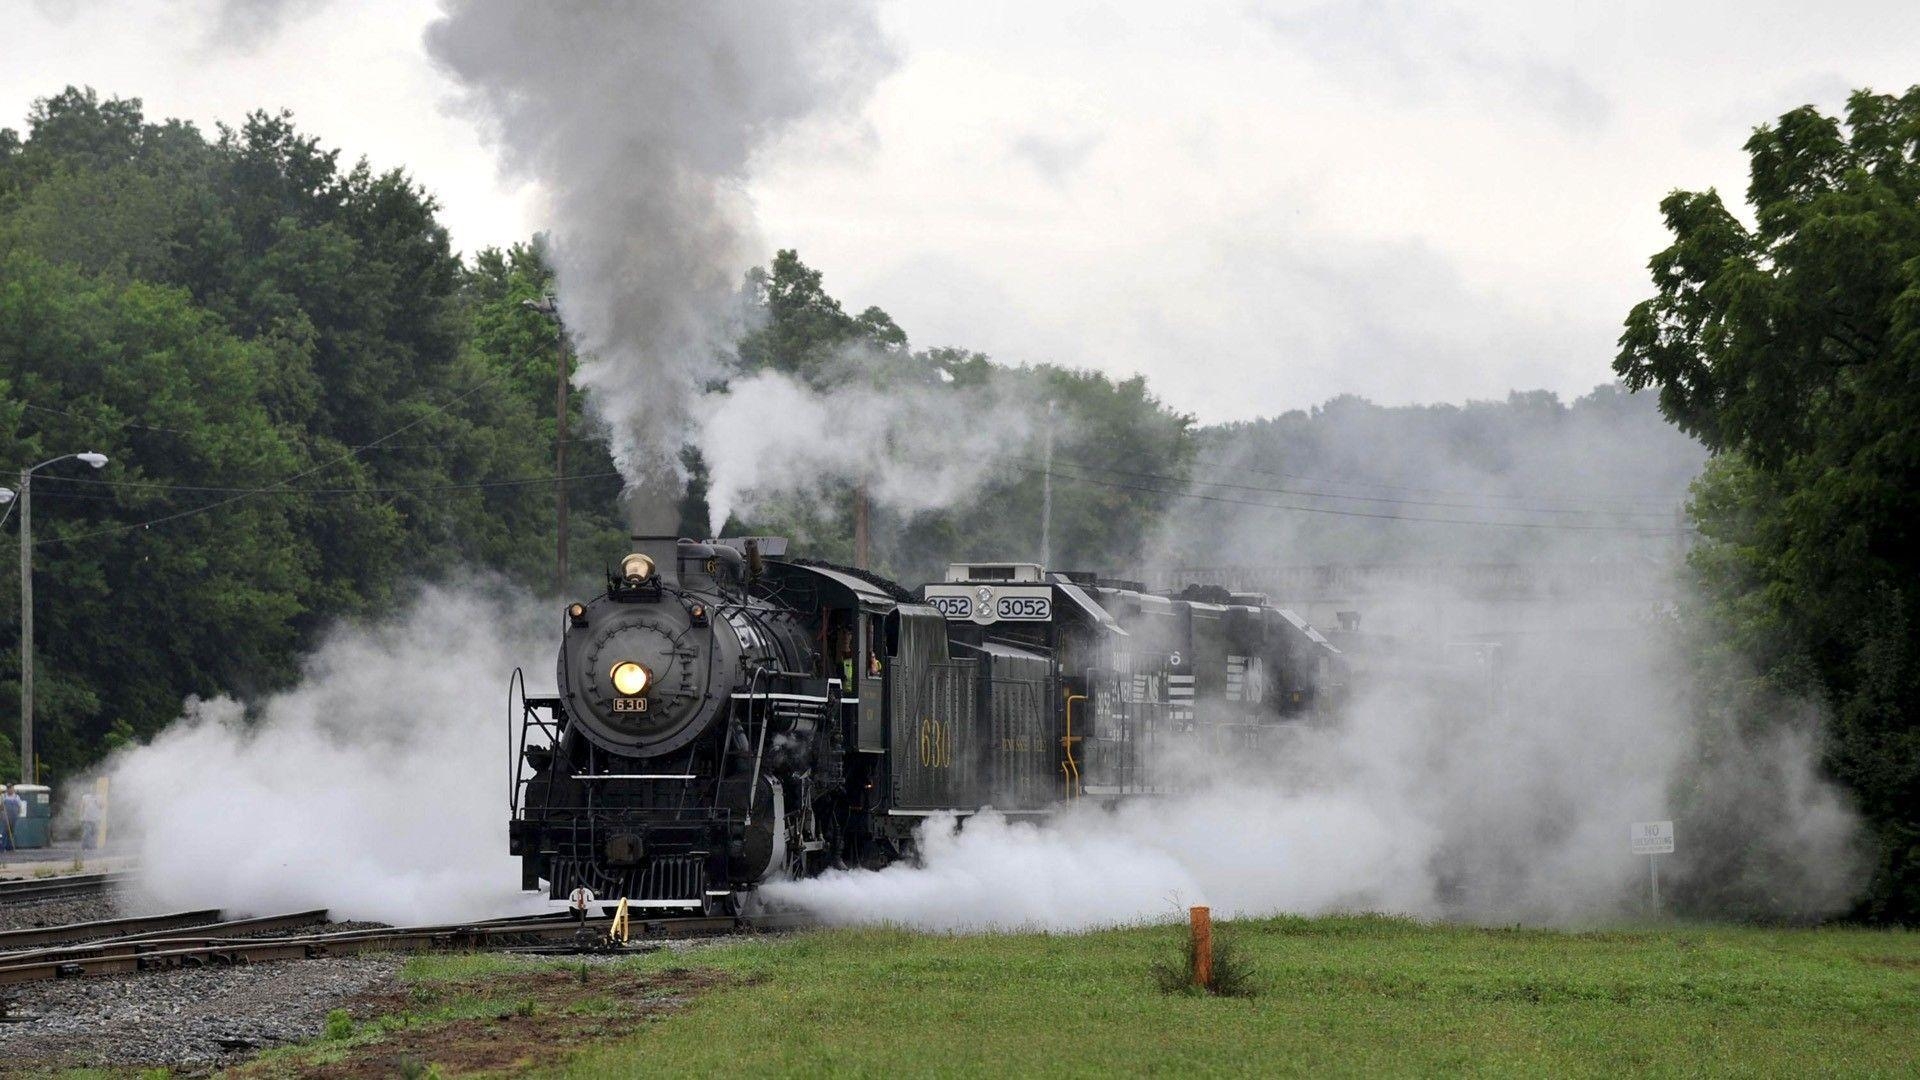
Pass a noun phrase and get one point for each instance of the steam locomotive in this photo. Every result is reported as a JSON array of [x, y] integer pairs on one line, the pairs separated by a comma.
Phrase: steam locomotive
[[726, 714]]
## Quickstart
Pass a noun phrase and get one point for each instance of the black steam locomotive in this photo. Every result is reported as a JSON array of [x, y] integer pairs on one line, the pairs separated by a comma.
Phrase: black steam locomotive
[[727, 715]]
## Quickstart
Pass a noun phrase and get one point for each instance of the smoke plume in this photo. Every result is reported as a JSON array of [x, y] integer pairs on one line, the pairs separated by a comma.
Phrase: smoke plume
[[247, 24], [377, 788], [638, 122]]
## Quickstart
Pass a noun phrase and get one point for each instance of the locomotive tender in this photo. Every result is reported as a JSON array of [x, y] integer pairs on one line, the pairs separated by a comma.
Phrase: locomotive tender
[[726, 715]]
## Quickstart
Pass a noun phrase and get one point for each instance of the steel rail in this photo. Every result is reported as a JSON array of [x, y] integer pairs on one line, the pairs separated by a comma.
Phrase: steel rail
[[209, 934], [11, 940], [12, 892], [162, 953]]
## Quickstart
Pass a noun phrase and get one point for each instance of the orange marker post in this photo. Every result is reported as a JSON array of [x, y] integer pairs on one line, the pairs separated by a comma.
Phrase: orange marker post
[[1202, 946]]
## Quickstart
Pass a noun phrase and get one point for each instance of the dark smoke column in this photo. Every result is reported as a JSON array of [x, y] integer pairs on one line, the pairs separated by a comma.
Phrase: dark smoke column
[[638, 123]]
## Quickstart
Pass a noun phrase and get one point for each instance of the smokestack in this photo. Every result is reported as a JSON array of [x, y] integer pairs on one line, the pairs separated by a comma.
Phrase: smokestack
[[665, 553], [653, 506]]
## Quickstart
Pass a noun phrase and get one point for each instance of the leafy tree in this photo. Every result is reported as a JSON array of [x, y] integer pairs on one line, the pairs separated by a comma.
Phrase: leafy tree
[[304, 391], [522, 342], [166, 392], [1792, 349]]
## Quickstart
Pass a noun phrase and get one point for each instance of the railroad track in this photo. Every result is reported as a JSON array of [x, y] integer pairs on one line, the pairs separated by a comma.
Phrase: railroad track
[[193, 947], [29, 889], [130, 936]]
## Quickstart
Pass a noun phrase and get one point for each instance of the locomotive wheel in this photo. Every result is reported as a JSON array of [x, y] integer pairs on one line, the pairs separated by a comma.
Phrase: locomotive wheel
[[720, 907]]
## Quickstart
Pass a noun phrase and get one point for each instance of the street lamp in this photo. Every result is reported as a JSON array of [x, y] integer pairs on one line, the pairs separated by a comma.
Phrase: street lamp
[[26, 602]]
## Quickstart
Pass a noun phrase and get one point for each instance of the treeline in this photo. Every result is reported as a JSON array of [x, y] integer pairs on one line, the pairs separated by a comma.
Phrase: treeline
[[309, 402], [1527, 479]]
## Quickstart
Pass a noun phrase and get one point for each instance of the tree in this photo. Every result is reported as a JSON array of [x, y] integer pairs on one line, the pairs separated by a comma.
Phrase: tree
[[1792, 349], [304, 391], [519, 525], [165, 391]]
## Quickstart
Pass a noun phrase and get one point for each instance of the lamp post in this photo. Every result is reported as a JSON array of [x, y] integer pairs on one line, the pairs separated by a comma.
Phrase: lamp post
[[546, 306], [26, 604]]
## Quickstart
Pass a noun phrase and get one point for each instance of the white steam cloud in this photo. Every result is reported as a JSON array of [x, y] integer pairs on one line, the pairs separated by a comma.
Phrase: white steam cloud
[[1435, 794], [377, 788], [639, 122], [917, 446]]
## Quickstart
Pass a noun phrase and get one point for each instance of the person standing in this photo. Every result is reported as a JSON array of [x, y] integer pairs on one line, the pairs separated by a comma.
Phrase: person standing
[[12, 809], [90, 814]]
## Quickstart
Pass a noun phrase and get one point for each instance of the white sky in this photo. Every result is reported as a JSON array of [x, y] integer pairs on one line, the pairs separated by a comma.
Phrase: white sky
[[1257, 205]]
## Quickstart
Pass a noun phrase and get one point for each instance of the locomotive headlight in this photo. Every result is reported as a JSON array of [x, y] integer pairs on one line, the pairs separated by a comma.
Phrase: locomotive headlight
[[630, 678], [636, 567]]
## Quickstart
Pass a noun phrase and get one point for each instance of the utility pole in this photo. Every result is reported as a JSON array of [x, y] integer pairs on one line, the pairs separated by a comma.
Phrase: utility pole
[[1046, 497], [860, 526], [26, 626], [546, 306]]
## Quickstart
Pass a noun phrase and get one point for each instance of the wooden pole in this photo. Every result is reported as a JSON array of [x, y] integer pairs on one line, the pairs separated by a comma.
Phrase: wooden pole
[[101, 791], [1202, 946], [860, 526], [1046, 497], [560, 457]]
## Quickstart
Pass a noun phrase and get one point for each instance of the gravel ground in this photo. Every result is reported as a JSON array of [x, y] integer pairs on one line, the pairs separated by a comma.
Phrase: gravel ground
[[189, 1019], [59, 911], [195, 1020]]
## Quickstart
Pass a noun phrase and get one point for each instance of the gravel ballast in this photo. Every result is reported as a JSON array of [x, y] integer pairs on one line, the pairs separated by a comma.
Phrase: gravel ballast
[[189, 1018], [59, 911]]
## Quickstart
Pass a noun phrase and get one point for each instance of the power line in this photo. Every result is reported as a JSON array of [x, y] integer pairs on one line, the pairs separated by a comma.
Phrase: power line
[[1548, 525], [95, 420], [185, 434], [1360, 498], [154, 486], [1640, 500], [409, 425]]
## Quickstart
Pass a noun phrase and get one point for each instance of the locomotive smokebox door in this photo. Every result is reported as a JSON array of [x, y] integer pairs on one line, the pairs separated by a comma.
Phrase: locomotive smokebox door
[[625, 849]]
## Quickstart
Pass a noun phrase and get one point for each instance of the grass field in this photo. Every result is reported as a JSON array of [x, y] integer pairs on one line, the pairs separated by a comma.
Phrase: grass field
[[1348, 995]]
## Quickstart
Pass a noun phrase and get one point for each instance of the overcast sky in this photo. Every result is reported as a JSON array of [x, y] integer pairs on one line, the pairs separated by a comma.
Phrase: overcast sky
[[1258, 205]]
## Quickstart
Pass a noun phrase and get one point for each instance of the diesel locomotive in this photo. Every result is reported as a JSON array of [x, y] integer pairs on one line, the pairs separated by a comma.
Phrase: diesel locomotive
[[725, 714]]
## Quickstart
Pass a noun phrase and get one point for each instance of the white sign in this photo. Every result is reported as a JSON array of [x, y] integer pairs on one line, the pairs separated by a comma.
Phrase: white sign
[[985, 604], [1652, 837]]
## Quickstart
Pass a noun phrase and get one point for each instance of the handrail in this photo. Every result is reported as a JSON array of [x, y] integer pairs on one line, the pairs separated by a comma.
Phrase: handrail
[[517, 681], [1069, 767], [753, 783]]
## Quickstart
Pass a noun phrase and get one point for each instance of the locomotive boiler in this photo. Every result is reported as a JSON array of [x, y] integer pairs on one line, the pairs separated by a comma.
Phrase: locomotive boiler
[[724, 714]]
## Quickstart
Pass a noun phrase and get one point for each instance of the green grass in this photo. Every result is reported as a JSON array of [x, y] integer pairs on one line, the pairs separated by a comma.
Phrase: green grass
[[1339, 996]]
